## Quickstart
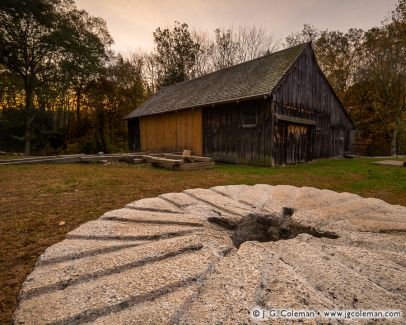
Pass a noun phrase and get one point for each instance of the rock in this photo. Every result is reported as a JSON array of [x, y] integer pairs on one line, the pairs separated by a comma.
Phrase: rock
[[207, 256], [61, 223], [398, 163]]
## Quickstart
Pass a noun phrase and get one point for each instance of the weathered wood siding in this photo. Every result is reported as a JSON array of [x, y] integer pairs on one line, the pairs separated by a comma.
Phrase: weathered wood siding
[[305, 93], [172, 132], [226, 139]]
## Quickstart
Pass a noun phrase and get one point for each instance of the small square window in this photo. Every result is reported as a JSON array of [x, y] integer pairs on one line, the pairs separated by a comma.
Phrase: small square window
[[249, 118]]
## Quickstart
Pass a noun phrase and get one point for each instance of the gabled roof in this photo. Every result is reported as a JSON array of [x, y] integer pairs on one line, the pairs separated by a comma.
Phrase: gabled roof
[[251, 79]]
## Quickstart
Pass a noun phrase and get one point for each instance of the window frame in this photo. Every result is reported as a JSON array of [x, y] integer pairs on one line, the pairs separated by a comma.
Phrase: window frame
[[249, 115]]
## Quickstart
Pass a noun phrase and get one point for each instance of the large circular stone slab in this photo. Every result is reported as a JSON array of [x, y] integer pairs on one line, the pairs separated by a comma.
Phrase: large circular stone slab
[[208, 256]]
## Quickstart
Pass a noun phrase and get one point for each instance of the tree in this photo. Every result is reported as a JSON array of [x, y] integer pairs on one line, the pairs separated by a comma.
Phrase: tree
[[88, 42], [176, 54], [338, 56], [128, 92], [11, 119], [230, 47], [108, 98], [308, 34], [39, 37], [203, 64], [383, 72], [149, 71], [224, 49], [26, 49], [254, 42]]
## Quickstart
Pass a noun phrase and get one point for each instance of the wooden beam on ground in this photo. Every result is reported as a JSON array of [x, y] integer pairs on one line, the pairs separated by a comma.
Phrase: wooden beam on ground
[[138, 161], [187, 158], [43, 160], [163, 162], [196, 165], [127, 157], [117, 157]]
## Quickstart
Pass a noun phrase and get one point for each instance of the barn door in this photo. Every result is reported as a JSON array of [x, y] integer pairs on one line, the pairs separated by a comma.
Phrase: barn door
[[279, 149], [311, 135], [293, 143], [296, 143]]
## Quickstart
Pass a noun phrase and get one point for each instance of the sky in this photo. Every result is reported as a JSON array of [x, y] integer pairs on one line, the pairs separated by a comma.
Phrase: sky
[[132, 22]]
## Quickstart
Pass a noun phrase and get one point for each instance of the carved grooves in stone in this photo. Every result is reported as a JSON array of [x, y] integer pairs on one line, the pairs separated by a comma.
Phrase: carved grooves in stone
[[88, 316], [222, 222], [256, 207], [215, 206], [77, 256], [152, 209], [355, 211], [263, 295], [180, 206], [176, 317], [61, 285], [155, 222], [295, 266], [133, 238], [93, 314], [232, 198], [391, 231], [300, 229], [94, 252]]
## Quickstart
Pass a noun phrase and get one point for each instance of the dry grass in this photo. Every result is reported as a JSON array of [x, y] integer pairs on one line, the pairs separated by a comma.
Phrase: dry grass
[[35, 199]]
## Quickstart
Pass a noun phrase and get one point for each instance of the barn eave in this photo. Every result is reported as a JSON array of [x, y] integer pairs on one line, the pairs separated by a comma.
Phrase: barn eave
[[210, 104]]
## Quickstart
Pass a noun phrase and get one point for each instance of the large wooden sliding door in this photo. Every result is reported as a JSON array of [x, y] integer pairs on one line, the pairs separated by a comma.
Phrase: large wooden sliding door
[[172, 132], [292, 143]]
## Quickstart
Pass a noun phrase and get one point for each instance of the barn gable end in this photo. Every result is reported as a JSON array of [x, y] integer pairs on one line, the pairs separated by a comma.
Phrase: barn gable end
[[305, 93]]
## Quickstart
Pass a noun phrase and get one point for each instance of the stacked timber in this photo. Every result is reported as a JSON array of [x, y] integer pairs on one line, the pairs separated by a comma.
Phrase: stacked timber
[[170, 161], [179, 162]]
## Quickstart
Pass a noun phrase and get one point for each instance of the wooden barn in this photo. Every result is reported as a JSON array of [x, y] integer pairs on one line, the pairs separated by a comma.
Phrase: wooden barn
[[274, 110]]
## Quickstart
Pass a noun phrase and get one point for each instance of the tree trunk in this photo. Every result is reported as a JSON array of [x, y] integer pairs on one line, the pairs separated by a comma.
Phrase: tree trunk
[[78, 96], [394, 140], [27, 139], [28, 119]]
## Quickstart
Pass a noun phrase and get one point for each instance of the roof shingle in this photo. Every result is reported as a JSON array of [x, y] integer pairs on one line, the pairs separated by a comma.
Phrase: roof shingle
[[253, 78]]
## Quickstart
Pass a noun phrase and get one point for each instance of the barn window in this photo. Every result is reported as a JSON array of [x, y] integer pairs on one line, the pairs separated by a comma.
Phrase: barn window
[[249, 118]]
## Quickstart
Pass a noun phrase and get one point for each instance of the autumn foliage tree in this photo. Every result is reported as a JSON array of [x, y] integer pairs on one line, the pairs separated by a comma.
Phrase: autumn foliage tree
[[367, 70], [382, 75]]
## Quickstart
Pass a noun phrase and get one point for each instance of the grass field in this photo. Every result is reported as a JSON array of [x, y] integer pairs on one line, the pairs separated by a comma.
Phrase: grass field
[[34, 199]]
